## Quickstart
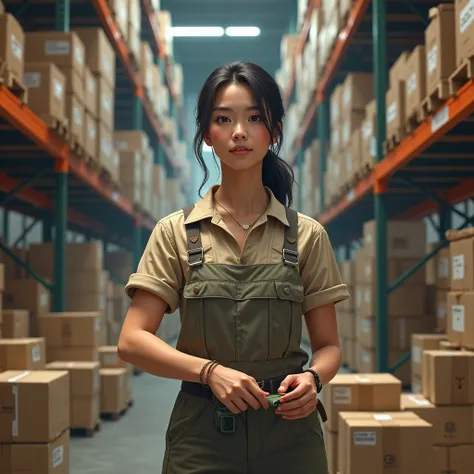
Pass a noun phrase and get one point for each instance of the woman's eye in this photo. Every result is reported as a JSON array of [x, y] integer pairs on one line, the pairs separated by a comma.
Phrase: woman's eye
[[255, 118], [221, 119]]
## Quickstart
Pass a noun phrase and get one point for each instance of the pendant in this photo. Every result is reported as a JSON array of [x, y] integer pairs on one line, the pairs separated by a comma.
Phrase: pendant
[[245, 226]]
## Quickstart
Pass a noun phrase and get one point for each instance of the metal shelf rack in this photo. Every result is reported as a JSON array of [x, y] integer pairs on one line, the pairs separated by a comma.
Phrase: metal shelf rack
[[430, 171], [42, 178]]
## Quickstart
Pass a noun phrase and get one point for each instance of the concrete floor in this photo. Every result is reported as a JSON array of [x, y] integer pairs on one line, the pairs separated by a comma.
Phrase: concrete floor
[[136, 442]]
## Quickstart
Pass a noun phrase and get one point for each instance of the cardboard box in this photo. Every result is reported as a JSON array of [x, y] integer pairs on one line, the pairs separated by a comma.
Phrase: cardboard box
[[396, 115], [40, 402], [460, 327], [464, 31], [368, 446], [64, 49], [90, 92], [105, 105], [420, 343], [75, 116], [109, 359], [441, 310], [87, 281], [44, 458], [396, 267], [130, 140], [114, 390], [416, 383], [357, 92], [107, 157], [367, 363], [46, 90], [16, 324], [448, 346], [451, 425], [336, 105], [405, 239], [361, 392], [100, 56], [454, 459], [22, 354], [398, 71], [462, 264], [74, 83], [368, 130], [134, 13], [12, 46], [90, 135], [438, 268], [120, 9], [72, 354], [2, 8], [448, 377], [415, 85], [351, 121], [440, 44], [71, 329]]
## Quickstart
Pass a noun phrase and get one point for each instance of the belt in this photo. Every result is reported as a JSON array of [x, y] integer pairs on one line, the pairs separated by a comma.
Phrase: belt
[[269, 385]]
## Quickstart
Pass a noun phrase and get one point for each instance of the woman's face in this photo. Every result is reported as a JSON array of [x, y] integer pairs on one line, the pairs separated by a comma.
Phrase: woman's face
[[237, 132]]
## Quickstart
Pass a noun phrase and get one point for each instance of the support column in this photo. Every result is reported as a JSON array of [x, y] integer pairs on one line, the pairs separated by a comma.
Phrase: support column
[[6, 226], [63, 16], [137, 118], [60, 224], [323, 121], [380, 73]]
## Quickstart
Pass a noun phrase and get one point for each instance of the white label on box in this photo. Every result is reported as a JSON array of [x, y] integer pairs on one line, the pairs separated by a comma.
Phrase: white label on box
[[15, 419], [416, 388], [35, 353], [373, 147], [345, 133], [366, 325], [442, 311], [440, 119], [342, 396], [416, 354], [107, 147], [116, 159], [32, 79], [466, 16], [121, 144], [432, 59], [443, 267], [366, 356], [107, 66], [44, 299], [392, 112], [458, 267], [97, 324], [382, 417], [367, 130], [79, 54], [58, 456], [92, 131], [115, 195], [368, 271], [363, 379], [17, 49], [458, 317], [57, 48], [350, 195], [365, 438], [106, 104], [411, 83], [420, 402], [77, 116], [58, 89]]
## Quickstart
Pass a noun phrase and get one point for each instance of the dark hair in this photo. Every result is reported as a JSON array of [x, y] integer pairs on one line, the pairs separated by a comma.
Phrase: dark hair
[[276, 173]]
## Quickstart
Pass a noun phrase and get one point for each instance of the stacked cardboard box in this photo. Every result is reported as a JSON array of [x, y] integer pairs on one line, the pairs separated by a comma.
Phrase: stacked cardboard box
[[109, 359], [165, 31], [120, 13], [114, 390], [405, 246], [72, 336], [159, 194], [460, 326], [2, 289], [367, 138], [346, 315], [134, 18], [356, 393], [415, 85], [22, 354], [66, 51], [146, 64], [310, 183], [84, 392], [15, 324], [464, 32], [37, 438]]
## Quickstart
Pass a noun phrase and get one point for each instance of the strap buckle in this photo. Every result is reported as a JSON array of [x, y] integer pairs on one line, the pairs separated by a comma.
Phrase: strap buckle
[[200, 252], [291, 253]]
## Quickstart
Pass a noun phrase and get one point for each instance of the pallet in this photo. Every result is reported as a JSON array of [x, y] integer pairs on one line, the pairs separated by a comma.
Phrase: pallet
[[393, 141], [16, 87], [115, 416], [434, 101], [107, 178], [77, 148], [412, 122], [86, 432], [58, 126], [463, 74]]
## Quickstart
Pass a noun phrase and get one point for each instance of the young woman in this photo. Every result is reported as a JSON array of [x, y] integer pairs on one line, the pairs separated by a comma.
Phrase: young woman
[[243, 268]]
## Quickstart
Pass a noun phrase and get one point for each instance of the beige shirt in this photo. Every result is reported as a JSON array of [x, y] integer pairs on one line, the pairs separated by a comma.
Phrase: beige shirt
[[163, 267]]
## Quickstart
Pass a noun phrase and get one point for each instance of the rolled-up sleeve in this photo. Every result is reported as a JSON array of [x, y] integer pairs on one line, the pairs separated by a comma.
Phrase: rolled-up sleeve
[[159, 270], [320, 274]]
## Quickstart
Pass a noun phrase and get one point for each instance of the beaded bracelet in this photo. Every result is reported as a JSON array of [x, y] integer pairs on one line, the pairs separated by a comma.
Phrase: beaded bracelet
[[209, 362], [209, 371]]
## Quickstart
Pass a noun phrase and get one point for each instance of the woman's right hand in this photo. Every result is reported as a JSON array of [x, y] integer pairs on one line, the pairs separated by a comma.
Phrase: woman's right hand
[[236, 390]]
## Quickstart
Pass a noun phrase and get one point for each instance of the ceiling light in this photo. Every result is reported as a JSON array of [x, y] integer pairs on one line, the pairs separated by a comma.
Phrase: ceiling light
[[194, 31], [242, 31]]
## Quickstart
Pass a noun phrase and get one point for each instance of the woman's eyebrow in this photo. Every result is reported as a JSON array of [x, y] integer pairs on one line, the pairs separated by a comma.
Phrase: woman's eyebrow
[[230, 109]]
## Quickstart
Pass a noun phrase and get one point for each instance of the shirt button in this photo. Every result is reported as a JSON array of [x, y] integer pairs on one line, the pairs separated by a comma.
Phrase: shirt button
[[243, 260], [286, 290], [196, 290]]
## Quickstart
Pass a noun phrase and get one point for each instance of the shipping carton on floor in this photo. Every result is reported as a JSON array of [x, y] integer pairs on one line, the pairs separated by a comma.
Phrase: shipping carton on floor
[[34, 406], [15, 324], [44, 458], [460, 326], [462, 260], [420, 343], [454, 459], [113, 390], [22, 354]]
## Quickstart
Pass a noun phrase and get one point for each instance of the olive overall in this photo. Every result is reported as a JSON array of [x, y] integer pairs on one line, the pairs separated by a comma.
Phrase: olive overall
[[249, 318]]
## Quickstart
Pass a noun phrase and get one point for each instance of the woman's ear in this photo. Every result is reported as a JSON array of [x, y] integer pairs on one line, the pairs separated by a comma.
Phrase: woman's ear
[[207, 140]]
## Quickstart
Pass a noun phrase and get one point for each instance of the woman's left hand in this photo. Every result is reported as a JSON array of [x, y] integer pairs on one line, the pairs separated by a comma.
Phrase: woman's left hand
[[300, 402]]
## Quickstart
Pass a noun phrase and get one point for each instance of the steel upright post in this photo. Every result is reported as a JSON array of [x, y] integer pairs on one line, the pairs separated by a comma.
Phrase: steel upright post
[[62, 19], [323, 122]]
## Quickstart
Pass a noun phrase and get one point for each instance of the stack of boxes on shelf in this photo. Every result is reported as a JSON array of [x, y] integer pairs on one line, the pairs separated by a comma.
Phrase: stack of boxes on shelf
[[309, 185]]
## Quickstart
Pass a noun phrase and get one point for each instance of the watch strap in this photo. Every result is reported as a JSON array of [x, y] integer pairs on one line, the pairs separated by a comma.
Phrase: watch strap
[[319, 386]]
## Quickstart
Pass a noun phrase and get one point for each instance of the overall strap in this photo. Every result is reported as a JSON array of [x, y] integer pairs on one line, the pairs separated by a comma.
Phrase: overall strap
[[193, 238], [290, 243]]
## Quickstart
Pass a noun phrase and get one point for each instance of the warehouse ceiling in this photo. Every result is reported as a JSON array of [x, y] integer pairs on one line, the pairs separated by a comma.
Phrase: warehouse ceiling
[[199, 56]]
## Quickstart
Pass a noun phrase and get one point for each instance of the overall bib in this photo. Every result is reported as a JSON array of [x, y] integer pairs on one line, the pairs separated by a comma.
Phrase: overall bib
[[249, 318]]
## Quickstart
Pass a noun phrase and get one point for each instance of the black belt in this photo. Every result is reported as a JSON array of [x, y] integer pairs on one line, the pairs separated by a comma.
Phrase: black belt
[[269, 385]]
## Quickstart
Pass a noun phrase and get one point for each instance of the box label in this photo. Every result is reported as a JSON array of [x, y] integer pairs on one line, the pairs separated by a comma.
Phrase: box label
[[466, 16], [106, 104], [382, 417], [432, 59], [411, 83], [107, 66], [366, 325], [35, 353], [443, 267], [440, 119], [416, 354], [44, 299], [367, 130], [442, 311], [366, 357], [457, 311], [392, 112], [76, 113], [32, 79], [58, 456], [418, 401], [58, 89], [342, 396], [16, 47], [92, 131], [367, 296], [57, 48], [121, 145], [364, 438], [458, 267]]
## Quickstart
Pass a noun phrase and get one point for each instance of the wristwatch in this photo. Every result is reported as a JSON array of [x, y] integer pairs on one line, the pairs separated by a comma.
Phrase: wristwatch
[[319, 386]]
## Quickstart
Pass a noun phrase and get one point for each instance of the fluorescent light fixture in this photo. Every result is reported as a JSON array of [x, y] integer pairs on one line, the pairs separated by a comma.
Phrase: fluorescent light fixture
[[196, 31], [242, 31]]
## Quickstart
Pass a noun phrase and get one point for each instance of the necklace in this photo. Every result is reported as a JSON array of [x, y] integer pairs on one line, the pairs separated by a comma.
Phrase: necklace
[[244, 226]]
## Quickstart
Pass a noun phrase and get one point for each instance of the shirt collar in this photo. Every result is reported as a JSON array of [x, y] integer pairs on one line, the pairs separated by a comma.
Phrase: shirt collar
[[204, 209]]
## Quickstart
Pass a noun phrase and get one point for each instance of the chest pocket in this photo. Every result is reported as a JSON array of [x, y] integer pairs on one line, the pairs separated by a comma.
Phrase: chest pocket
[[242, 321]]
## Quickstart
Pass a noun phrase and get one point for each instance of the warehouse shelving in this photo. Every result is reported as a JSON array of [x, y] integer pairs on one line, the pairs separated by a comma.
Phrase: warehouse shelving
[[428, 172], [42, 178]]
